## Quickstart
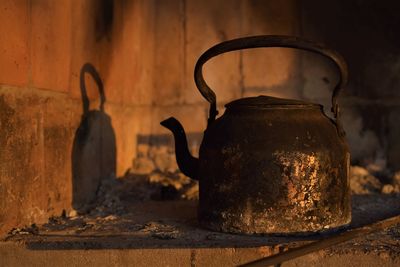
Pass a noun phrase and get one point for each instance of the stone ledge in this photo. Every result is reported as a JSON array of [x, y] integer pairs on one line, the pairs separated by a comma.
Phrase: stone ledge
[[13, 254], [165, 233]]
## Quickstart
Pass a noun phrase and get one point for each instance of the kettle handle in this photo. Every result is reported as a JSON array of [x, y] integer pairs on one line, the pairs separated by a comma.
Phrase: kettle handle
[[268, 41]]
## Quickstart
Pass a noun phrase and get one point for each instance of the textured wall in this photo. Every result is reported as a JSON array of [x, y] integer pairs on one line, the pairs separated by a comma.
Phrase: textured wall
[[144, 51], [52, 150], [47, 141], [366, 34]]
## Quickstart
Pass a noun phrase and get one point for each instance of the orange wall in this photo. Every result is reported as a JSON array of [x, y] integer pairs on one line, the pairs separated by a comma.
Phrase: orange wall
[[43, 46], [144, 51]]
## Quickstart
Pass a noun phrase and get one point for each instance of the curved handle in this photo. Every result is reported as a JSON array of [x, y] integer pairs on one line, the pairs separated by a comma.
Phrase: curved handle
[[267, 41], [89, 68]]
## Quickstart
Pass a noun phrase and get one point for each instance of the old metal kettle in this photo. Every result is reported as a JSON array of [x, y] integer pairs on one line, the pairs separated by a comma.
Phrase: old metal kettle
[[269, 165]]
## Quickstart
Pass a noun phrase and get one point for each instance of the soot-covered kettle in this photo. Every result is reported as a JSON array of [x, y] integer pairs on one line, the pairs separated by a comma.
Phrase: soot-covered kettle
[[269, 165]]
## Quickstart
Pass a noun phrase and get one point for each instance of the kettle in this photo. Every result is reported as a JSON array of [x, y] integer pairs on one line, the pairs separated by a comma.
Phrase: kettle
[[269, 165]]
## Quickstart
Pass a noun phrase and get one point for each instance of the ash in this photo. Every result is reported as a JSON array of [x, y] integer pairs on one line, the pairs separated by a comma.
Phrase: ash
[[162, 205], [114, 195], [366, 181]]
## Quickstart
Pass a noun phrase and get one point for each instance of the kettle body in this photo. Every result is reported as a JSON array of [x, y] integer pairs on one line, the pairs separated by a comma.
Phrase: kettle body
[[273, 170], [269, 165]]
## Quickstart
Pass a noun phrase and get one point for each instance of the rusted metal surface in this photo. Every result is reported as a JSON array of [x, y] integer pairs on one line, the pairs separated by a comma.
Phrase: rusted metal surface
[[269, 165], [273, 171]]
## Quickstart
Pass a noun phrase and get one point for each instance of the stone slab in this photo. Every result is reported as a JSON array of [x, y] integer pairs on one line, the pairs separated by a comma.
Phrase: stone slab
[[42, 136], [122, 242]]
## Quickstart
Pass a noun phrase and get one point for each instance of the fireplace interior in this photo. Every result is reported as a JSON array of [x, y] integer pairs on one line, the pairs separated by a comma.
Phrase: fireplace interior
[[84, 85]]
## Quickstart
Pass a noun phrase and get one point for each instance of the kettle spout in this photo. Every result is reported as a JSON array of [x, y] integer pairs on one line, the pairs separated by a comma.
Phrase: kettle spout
[[188, 164]]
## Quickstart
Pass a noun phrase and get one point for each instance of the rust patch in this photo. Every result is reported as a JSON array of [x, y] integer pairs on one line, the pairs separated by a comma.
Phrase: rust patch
[[301, 175]]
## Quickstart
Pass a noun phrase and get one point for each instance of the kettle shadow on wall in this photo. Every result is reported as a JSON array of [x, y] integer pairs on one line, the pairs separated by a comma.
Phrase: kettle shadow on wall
[[94, 149]]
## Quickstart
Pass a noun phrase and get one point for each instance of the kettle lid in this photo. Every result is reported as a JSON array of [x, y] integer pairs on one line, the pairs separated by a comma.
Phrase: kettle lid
[[263, 102]]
